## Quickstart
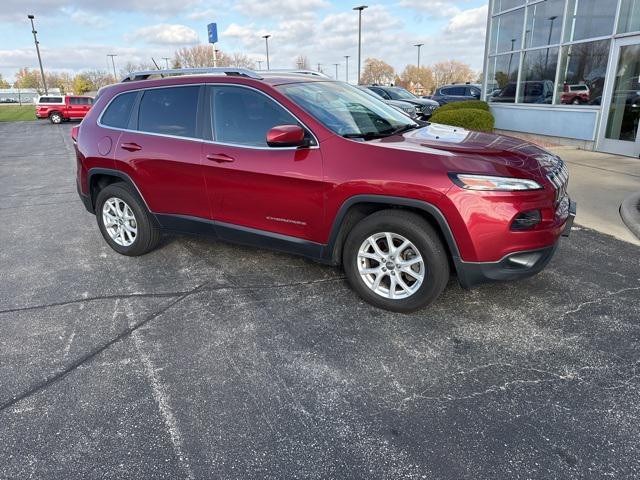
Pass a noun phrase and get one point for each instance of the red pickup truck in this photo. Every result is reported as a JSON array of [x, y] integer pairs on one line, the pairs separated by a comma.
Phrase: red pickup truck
[[60, 108]]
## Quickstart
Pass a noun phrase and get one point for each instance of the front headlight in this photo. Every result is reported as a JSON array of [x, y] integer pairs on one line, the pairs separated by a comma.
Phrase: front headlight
[[485, 182]]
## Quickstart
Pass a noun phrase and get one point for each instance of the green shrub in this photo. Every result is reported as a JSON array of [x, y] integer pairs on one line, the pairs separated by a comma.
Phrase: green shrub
[[477, 104], [470, 118]]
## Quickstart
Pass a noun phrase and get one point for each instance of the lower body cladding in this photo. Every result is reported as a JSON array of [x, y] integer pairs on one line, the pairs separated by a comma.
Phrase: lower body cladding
[[514, 266]]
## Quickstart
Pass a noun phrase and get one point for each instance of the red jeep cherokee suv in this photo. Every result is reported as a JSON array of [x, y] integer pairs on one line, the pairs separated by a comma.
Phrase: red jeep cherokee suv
[[60, 108], [318, 168]]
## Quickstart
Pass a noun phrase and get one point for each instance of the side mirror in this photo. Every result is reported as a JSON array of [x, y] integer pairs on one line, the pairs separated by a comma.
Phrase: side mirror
[[286, 136]]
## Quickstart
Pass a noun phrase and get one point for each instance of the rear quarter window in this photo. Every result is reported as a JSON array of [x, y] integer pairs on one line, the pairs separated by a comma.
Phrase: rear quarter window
[[118, 111]]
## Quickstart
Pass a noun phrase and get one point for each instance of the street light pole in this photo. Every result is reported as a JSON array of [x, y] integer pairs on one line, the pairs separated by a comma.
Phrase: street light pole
[[319, 67], [113, 64], [360, 9], [346, 68], [259, 64], [266, 42], [166, 60], [418, 45], [35, 39], [336, 65]]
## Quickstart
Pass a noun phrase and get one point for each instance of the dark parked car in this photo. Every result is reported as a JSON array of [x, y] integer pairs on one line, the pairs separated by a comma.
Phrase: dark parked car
[[424, 107], [457, 93], [308, 165], [405, 107], [532, 91]]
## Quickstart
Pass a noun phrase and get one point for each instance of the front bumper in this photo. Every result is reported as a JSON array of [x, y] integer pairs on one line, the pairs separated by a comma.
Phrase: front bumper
[[514, 266]]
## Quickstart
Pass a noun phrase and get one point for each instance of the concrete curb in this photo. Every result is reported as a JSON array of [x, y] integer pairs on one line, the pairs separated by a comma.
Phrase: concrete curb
[[630, 213]]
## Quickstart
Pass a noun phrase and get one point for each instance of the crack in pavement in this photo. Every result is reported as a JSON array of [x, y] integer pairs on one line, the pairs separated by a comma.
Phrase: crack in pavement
[[132, 328], [93, 353], [123, 296]]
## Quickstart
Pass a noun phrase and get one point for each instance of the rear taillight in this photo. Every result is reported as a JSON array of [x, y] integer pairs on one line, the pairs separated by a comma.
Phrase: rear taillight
[[74, 133]]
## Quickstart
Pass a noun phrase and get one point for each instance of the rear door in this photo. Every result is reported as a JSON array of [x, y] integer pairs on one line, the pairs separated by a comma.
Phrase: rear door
[[161, 151], [74, 108], [271, 189]]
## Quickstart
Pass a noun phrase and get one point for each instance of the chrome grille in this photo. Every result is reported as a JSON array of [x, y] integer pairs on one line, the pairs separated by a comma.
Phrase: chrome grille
[[559, 177]]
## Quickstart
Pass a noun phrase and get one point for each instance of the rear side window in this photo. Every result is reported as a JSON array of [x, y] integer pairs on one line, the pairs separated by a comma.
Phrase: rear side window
[[170, 111], [50, 100], [456, 91], [243, 117], [119, 110]]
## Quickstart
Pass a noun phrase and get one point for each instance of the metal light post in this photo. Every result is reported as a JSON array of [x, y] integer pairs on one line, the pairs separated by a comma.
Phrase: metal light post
[[113, 64], [35, 39], [166, 60], [266, 42], [546, 61], [360, 9], [319, 67], [418, 45], [336, 65], [259, 64], [346, 68]]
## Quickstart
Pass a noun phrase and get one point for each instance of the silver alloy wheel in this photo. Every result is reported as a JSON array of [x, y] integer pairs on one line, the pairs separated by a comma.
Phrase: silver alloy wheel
[[390, 265], [119, 221], [56, 118]]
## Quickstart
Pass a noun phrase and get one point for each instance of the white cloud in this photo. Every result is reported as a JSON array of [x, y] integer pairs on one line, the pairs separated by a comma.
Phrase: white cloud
[[278, 8], [467, 20], [166, 34]]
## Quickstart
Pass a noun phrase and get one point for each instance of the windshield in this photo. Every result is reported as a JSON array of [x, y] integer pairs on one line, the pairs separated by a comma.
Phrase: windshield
[[400, 93], [346, 110]]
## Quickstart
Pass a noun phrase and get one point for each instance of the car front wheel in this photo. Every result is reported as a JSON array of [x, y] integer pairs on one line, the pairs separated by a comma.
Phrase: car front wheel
[[55, 118], [395, 260]]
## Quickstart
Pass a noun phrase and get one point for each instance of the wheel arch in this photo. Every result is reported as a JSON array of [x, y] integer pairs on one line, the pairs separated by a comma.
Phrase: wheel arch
[[358, 207], [99, 178]]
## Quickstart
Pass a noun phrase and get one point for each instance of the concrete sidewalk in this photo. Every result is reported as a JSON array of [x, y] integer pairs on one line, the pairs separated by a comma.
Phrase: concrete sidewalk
[[600, 182]]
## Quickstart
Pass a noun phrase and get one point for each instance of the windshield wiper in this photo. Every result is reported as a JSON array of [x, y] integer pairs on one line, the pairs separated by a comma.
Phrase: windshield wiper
[[364, 135], [403, 128]]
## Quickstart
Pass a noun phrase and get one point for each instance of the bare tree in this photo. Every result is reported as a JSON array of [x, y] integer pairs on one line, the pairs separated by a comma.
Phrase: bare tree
[[241, 60], [99, 78], [451, 71], [377, 71]]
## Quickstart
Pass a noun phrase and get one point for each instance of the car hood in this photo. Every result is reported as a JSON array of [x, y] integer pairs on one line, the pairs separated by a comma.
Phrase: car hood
[[475, 152], [398, 103]]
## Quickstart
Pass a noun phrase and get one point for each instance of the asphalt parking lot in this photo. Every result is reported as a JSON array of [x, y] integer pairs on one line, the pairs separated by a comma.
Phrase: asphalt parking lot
[[206, 360]]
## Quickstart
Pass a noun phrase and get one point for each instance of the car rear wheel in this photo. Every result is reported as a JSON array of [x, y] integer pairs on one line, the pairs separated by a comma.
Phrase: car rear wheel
[[55, 118], [576, 101], [124, 221], [395, 260]]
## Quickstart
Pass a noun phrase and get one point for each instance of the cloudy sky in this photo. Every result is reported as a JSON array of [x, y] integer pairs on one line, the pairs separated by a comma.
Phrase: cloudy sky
[[78, 34]]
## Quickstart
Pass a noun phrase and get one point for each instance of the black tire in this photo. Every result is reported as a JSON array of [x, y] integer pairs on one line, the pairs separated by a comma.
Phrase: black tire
[[56, 118], [148, 235], [422, 235], [576, 101]]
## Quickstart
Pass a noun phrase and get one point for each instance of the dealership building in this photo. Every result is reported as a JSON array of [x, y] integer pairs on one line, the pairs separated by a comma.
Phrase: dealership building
[[566, 71]]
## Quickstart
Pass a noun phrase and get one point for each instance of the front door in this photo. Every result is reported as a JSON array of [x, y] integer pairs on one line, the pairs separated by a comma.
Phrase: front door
[[252, 185], [619, 132]]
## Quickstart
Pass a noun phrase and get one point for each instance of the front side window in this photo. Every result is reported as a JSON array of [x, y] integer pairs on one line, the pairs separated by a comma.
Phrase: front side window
[[538, 75], [118, 112], [382, 93], [169, 111], [346, 110], [588, 19], [506, 31], [583, 68], [544, 23], [502, 75], [243, 116]]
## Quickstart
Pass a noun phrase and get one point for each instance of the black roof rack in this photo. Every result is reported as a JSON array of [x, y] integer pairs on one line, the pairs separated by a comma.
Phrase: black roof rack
[[145, 74]]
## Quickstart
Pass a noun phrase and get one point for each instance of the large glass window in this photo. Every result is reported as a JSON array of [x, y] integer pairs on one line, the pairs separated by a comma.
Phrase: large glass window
[[538, 75], [506, 31], [589, 19], [119, 110], [170, 111], [243, 116], [583, 67], [502, 77], [502, 5], [544, 23], [629, 16], [624, 112]]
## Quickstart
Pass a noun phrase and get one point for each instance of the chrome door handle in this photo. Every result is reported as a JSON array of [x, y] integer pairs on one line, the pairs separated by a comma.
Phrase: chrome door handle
[[220, 157]]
